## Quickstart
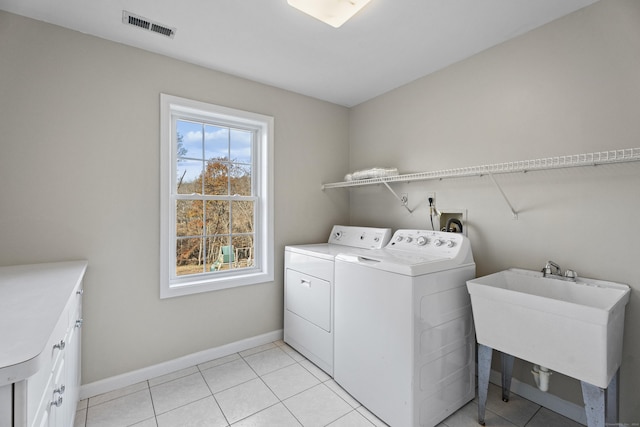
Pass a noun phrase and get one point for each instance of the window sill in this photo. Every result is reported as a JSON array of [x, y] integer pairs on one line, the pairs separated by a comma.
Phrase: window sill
[[194, 285]]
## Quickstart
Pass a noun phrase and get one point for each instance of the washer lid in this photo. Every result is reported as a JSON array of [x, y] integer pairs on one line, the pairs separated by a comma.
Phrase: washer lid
[[401, 266]]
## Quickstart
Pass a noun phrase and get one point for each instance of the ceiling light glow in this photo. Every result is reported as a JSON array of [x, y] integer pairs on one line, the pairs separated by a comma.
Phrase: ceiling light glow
[[332, 12]]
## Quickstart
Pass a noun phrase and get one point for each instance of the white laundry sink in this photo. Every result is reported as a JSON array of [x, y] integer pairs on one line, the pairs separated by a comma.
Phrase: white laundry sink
[[574, 328]]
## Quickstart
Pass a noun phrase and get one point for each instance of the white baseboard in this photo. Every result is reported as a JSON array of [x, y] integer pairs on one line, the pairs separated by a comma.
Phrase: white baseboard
[[130, 378], [563, 407]]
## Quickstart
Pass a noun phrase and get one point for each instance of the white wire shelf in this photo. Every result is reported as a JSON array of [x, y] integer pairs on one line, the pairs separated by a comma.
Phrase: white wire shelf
[[560, 162], [575, 160]]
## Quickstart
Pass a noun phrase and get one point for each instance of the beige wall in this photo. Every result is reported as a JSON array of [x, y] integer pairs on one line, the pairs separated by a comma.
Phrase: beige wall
[[79, 160], [571, 86], [79, 118]]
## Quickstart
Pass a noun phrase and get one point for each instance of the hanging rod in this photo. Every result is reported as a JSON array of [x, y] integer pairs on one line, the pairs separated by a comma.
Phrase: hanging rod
[[561, 162]]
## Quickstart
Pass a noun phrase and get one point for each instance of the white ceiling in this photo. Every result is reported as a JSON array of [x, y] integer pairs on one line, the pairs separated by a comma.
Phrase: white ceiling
[[388, 44]]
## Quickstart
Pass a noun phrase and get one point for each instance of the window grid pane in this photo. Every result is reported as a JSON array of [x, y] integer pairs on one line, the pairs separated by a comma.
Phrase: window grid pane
[[216, 177], [213, 166], [190, 252]]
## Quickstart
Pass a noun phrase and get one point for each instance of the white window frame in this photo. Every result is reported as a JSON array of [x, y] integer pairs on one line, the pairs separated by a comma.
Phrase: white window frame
[[172, 108]]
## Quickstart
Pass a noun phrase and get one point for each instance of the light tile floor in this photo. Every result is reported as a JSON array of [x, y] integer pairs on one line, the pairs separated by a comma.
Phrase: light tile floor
[[271, 385]]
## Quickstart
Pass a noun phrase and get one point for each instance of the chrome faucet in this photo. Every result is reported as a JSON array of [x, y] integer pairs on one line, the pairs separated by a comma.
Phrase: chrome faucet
[[569, 275], [546, 271]]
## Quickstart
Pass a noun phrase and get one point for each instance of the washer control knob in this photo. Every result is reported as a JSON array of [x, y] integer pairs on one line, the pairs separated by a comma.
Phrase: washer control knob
[[409, 239], [421, 241], [438, 242], [450, 243], [376, 239], [399, 239]]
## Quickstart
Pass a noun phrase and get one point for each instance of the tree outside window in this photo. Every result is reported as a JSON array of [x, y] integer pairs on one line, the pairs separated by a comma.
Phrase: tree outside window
[[215, 232], [220, 222]]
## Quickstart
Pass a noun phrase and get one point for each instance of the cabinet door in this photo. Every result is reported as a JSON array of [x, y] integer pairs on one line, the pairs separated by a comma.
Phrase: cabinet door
[[51, 403], [60, 404], [72, 362], [5, 405]]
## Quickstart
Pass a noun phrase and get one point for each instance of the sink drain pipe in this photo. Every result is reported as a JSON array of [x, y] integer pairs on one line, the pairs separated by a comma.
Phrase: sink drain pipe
[[541, 376]]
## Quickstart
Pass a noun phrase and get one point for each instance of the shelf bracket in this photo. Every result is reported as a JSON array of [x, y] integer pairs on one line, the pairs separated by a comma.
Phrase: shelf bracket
[[403, 200], [504, 196]]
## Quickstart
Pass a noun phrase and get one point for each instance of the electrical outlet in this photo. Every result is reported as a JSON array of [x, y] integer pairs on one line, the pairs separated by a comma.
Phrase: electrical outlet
[[431, 195]]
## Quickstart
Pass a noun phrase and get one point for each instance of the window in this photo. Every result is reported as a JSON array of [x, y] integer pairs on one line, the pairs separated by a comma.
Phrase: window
[[216, 197]]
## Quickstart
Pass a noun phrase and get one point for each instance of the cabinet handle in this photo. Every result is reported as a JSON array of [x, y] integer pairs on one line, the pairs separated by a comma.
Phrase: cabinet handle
[[61, 345], [59, 390], [305, 283], [57, 402], [79, 323]]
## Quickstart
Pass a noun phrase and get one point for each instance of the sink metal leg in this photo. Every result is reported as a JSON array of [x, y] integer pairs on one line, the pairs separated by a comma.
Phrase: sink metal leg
[[484, 369], [601, 404], [593, 397], [611, 397], [507, 371]]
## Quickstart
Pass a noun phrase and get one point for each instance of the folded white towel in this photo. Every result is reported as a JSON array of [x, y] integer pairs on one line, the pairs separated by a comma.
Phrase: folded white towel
[[371, 173]]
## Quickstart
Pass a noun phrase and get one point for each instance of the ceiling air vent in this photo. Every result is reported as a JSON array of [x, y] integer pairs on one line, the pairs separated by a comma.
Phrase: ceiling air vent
[[147, 24]]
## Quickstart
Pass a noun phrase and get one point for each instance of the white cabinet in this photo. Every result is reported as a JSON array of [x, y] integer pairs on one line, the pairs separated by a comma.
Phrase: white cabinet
[[5, 405], [41, 371]]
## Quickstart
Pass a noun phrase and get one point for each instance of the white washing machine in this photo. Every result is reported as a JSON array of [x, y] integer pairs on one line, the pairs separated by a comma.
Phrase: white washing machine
[[308, 289], [404, 338]]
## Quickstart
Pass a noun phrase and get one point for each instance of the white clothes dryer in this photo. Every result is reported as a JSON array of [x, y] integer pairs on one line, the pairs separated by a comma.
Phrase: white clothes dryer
[[404, 338], [308, 289]]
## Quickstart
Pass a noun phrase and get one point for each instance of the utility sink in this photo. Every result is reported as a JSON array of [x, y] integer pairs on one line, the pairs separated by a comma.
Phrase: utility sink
[[574, 328]]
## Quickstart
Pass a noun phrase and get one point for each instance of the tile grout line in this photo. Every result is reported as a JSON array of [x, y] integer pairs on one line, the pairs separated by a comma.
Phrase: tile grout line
[[280, 401], [321, 381], [533, 416], [295, 362], [311, 369], [348, 413], [258, 376], [153, 406], [213, 396]]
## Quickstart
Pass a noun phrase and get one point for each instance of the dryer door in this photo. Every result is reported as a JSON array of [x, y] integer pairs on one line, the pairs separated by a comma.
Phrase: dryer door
[[309, 298]]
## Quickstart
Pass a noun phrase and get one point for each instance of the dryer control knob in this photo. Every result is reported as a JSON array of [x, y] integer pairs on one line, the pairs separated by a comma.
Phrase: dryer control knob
[[438, 242], [409, 239], [450, 243], [421, 241], [399, 239]]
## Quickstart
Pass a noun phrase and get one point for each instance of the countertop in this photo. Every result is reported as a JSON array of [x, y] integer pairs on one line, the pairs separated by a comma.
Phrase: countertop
[[32, 298]]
